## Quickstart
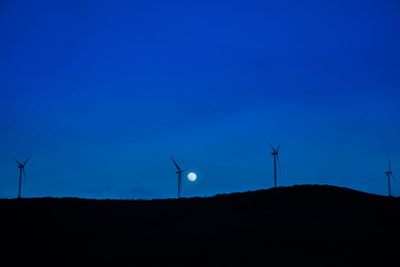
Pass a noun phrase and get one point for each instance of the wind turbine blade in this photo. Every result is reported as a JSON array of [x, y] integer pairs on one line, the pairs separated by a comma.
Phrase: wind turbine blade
[[271, 147], [26, 161], [277, 148], [279, 164], [176, 164], [23, 171], [19, 163], [394, 177]]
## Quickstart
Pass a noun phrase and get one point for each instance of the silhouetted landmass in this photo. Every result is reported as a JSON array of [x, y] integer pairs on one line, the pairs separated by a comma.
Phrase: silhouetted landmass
[[296, 226]]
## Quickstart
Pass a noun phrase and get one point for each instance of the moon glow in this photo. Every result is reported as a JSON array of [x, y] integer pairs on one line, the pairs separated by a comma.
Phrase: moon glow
[[192, 177]]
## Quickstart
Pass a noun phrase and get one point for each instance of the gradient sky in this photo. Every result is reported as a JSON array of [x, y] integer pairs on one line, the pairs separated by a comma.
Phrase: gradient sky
[[101, 93]]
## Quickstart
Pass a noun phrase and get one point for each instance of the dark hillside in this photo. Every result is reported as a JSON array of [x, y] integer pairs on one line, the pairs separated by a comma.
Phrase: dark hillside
[[302, 225]]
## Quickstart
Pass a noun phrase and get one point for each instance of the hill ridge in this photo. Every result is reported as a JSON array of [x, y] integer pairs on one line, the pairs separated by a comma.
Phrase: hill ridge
[[298, 225]]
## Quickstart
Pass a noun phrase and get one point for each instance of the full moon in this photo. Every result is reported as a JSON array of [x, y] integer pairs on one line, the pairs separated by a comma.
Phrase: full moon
[[192, 177]]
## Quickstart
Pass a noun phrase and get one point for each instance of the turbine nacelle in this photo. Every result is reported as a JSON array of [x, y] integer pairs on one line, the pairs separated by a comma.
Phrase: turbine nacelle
[[389, 171], [275, 150]]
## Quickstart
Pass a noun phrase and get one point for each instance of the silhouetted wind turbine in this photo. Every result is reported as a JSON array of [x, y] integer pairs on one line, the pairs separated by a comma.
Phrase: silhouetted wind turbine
[[275, 154], [179, 172], [21, 167], [389, 175]]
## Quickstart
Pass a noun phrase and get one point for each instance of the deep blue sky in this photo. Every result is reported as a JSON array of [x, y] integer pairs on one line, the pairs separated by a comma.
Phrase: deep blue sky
[[103, 92]]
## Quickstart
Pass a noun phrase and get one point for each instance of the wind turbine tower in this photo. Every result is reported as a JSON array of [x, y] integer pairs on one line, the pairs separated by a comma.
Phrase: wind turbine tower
[[179, 172], [389, 175], [275, 154], [21, 167]]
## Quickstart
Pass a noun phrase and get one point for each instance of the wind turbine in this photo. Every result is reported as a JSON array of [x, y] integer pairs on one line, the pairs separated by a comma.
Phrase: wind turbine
[[179, 172], [275, 154], [21, 167], [389, 175]]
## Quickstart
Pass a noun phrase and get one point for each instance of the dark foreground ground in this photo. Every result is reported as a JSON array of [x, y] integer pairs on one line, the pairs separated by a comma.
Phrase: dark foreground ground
[[297, 226]]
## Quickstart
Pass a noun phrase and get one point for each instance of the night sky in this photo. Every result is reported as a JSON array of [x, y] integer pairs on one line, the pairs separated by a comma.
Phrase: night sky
[[101, 93]]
